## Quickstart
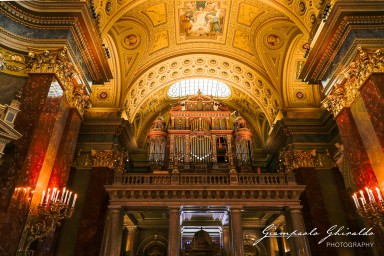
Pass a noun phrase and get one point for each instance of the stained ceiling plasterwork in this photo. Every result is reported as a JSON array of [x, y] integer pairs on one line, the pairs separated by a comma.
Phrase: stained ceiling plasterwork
[[249, 40]]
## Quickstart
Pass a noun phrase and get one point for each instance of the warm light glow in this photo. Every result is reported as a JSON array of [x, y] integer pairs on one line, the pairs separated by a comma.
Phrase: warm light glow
[[189, 87]]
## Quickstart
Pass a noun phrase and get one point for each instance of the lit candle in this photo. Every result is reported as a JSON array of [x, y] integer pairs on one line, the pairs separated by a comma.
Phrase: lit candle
[[42, 199], [57, 195], [47, 199], [379, 194], [362, 198], [53, 194], [69, 198], [371, 196], [356, 201], [62, 195], [65, 197], [74, 201]]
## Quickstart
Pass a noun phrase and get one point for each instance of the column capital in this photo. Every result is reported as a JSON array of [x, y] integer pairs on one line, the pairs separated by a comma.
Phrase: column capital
[[294, 208], [235, 208], [343, 95], [58, 62], [174, 209]]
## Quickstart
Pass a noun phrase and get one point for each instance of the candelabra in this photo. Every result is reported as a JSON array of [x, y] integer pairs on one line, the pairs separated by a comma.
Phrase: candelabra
[[23, 193], [372, 209], [52, 209]]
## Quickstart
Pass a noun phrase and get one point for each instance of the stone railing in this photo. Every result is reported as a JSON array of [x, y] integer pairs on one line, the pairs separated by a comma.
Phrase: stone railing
[[176, 189], [205, 179]]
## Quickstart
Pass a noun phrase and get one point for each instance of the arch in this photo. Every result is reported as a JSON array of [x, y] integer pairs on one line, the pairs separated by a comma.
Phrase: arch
[[111, 89], [238, 76], [150, 241]]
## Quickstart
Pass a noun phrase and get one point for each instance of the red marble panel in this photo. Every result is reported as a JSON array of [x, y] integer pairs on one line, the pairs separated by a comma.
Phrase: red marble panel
[[361, 168], [64, 158], [94, 213], [61, 169], [372, 93], [314, 210], [34, 94], [40, 148]]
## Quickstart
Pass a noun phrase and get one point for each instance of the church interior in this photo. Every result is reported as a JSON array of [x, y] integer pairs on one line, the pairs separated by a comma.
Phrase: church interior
[[192, 128]]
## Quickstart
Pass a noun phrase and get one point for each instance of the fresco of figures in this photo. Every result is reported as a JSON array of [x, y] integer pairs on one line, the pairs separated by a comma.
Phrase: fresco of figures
[[201, 18]]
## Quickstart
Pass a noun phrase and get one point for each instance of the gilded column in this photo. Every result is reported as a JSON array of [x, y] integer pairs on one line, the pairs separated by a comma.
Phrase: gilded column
[[187, 148], [237, 232], [301, 245], [214, 150], [174, 231], [171, 148], [232, 168]]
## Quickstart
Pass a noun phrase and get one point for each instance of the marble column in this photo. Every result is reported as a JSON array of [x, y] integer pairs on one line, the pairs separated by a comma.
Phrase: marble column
[[360, 165], [131, 246], [95, 208], [33, 156], [301, 245], [33, 102], [370, 134], [113, 232], [372, 93], [226, 240], [237, 232], [65, 155], [174, 232]]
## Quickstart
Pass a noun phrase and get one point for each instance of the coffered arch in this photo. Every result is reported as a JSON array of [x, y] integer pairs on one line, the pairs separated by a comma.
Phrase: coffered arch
[[240, 77]]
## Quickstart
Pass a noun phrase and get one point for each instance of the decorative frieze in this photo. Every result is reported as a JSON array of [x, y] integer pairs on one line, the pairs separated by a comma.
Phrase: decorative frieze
[[3, 63], [342, 95], [58, 62], [113, 159], [290, 159]]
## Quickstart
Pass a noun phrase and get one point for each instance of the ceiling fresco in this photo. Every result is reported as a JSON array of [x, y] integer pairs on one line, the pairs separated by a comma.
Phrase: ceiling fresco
[[255, 47]]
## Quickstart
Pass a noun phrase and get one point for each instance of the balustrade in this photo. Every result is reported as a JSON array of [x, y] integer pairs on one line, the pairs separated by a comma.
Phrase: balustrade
[[204, 179]]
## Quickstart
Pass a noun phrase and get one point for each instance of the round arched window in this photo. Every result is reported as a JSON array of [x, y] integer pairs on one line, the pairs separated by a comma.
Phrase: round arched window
[[189, 87]]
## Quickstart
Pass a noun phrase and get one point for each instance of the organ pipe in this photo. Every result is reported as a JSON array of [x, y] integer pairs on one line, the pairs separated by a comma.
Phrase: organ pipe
[[196, 126]]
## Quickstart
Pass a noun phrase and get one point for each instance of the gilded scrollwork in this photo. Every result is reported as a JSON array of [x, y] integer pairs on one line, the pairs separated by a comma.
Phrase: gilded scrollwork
[[102, 158], [342, 95], [58, 62], [290, 159], [3, 63], [113, 159]]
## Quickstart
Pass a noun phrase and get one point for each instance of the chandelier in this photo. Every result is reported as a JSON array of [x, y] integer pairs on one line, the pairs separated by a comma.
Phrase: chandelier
[[373, 208]]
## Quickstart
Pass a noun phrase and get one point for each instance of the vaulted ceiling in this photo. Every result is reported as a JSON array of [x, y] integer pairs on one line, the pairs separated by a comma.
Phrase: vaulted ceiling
[[255, 47]]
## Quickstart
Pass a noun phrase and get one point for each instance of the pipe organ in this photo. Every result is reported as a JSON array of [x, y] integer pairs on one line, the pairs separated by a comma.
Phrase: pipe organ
[[243, 139], [157, 142], [200, 135]]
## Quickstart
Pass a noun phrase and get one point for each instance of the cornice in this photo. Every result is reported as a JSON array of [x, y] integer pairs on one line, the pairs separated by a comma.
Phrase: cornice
[[345, 17], [101, 127], [71, 16]]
